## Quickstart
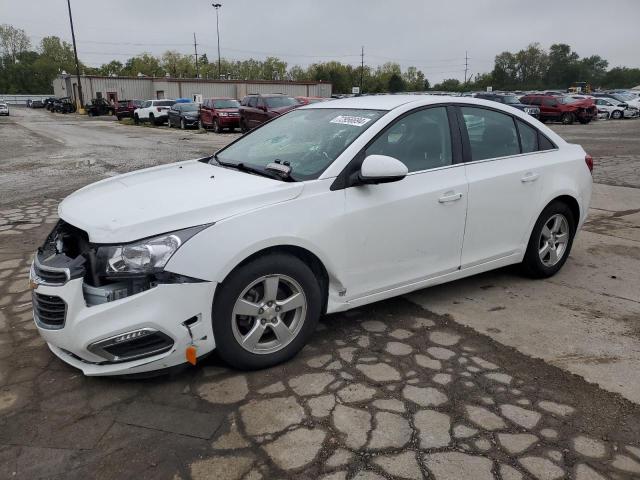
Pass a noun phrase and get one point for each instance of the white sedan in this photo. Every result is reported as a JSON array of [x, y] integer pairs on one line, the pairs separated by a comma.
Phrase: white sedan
[[329, 207], [615, 109]]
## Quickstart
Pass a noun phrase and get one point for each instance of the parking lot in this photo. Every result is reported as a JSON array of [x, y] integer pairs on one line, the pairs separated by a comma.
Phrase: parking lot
[[494, 376]]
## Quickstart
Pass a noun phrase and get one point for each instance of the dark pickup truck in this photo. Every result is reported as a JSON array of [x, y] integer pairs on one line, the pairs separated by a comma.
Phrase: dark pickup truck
[[99, 106]]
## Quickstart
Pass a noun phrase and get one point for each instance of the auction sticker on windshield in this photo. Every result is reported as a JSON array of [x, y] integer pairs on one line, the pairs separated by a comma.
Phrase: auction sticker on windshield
[[351, 120]]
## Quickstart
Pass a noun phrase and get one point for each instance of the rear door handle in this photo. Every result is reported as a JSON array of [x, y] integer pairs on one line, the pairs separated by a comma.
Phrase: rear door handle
[[450, 197], [530, 177]]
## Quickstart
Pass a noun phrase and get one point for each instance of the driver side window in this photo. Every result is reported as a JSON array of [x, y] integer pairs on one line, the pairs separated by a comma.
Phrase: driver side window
[[420, 140]]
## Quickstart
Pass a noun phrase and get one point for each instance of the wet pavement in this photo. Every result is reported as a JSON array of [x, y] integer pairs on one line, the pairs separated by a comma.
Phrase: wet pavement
[[391, 390]]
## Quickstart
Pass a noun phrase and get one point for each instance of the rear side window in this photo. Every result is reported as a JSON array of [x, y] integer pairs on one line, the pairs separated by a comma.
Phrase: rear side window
[[549, 102], [528, 137], [491, 134], [420, 140], [544, 143], [253, 101]]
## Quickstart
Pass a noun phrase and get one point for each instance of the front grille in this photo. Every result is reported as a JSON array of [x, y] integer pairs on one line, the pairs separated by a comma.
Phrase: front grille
[[49, 311], [51, 277]]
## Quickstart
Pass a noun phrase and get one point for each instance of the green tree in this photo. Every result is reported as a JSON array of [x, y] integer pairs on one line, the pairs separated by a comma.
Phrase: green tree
[[114, 67], [563, 66], [396, 83], [13, 42], [145, 64], [414, 79], [448, 85]]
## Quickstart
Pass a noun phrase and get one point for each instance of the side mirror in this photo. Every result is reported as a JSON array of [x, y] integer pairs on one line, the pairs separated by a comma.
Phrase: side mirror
[[381, 169]]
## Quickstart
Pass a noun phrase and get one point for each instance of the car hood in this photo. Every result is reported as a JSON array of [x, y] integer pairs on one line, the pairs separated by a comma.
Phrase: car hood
[[169, 197], [585, 103]]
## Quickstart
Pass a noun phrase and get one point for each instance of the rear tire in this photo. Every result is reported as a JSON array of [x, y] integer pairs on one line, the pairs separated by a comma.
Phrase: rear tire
[[616, 114], [243, 126], [136, 119], [544, 257], [278, 336], [152, 119]]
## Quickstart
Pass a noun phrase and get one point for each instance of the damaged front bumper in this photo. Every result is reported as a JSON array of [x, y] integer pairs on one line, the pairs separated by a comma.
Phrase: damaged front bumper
[[146, 331]]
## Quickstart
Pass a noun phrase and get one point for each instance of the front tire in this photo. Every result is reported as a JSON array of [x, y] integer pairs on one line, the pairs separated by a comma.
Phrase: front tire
[[616, 114], [567, 118], [136, 119], [182, 124], [265, 311], [216, 126], [550, 242]]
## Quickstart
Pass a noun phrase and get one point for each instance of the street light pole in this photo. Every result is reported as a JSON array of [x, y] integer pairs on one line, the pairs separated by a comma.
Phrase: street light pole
[[75, 53], [217, 7]]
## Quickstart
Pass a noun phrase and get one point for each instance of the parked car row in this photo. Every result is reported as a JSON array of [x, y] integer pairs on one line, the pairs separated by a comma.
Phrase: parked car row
[[217, 114]]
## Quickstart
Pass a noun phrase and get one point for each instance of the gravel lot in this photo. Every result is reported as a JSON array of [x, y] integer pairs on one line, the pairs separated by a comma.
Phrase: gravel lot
[[495, 376]]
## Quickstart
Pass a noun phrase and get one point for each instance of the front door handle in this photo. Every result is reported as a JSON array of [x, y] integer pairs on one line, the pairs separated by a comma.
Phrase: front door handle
[[450, 197], [530, 177]]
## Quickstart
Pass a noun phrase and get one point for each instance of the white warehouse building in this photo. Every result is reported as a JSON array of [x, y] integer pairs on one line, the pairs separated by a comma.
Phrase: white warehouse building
[[146, 88]]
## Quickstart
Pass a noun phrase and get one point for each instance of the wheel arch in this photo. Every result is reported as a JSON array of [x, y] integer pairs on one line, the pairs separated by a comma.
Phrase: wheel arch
[[307, 256], [568, 199]]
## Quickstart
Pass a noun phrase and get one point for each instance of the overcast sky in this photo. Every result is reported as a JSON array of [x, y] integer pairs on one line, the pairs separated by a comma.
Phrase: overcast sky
[[430, 35]]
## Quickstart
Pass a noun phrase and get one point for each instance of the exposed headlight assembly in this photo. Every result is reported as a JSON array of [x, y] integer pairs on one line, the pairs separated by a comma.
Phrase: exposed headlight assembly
[[145, 256]]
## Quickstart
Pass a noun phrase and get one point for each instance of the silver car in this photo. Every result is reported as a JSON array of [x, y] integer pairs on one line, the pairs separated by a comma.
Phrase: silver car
[[4, 109]]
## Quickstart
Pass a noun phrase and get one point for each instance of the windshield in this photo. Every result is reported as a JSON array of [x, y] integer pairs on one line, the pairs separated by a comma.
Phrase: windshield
[[189, 107], [226, 104], [277, 102], [309, 140], [510, 99]]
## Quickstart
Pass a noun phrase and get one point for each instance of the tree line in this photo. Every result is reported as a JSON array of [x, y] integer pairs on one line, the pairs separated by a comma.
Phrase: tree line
[[28, 69]]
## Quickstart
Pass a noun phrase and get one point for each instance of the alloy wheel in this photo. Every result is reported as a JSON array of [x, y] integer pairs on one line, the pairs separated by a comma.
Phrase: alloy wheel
[[554, 239], [269, 314]]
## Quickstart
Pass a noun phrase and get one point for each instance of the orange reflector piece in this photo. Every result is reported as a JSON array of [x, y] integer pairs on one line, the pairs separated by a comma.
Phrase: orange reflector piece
[[191, 355]]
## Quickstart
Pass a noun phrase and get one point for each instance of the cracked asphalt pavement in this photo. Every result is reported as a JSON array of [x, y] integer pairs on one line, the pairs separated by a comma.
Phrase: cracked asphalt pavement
[[494, 377]]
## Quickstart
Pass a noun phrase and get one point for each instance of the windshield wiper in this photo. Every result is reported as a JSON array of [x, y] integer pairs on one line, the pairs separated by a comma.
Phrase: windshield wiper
[[243, 167]]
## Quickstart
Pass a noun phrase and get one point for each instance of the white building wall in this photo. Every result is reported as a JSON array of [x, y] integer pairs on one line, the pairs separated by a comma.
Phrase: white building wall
[[146, 88]]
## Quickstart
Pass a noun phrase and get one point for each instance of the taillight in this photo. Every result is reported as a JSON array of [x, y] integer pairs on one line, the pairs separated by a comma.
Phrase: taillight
[[158, 109], [589, 161]]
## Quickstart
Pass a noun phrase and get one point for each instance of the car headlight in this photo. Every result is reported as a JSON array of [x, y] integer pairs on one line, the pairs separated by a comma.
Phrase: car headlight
[[224, 114], [143, 256]]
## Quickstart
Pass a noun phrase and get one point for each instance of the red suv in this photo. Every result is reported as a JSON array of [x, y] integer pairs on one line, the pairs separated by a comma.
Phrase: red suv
[[219, 113], [125, 108], [255, 109], [562, 109]]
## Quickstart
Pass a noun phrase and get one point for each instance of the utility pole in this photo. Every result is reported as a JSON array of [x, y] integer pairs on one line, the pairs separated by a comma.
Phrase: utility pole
[[217, 7], [195, 47], [466, 66], [361, 68], [75, 53]]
